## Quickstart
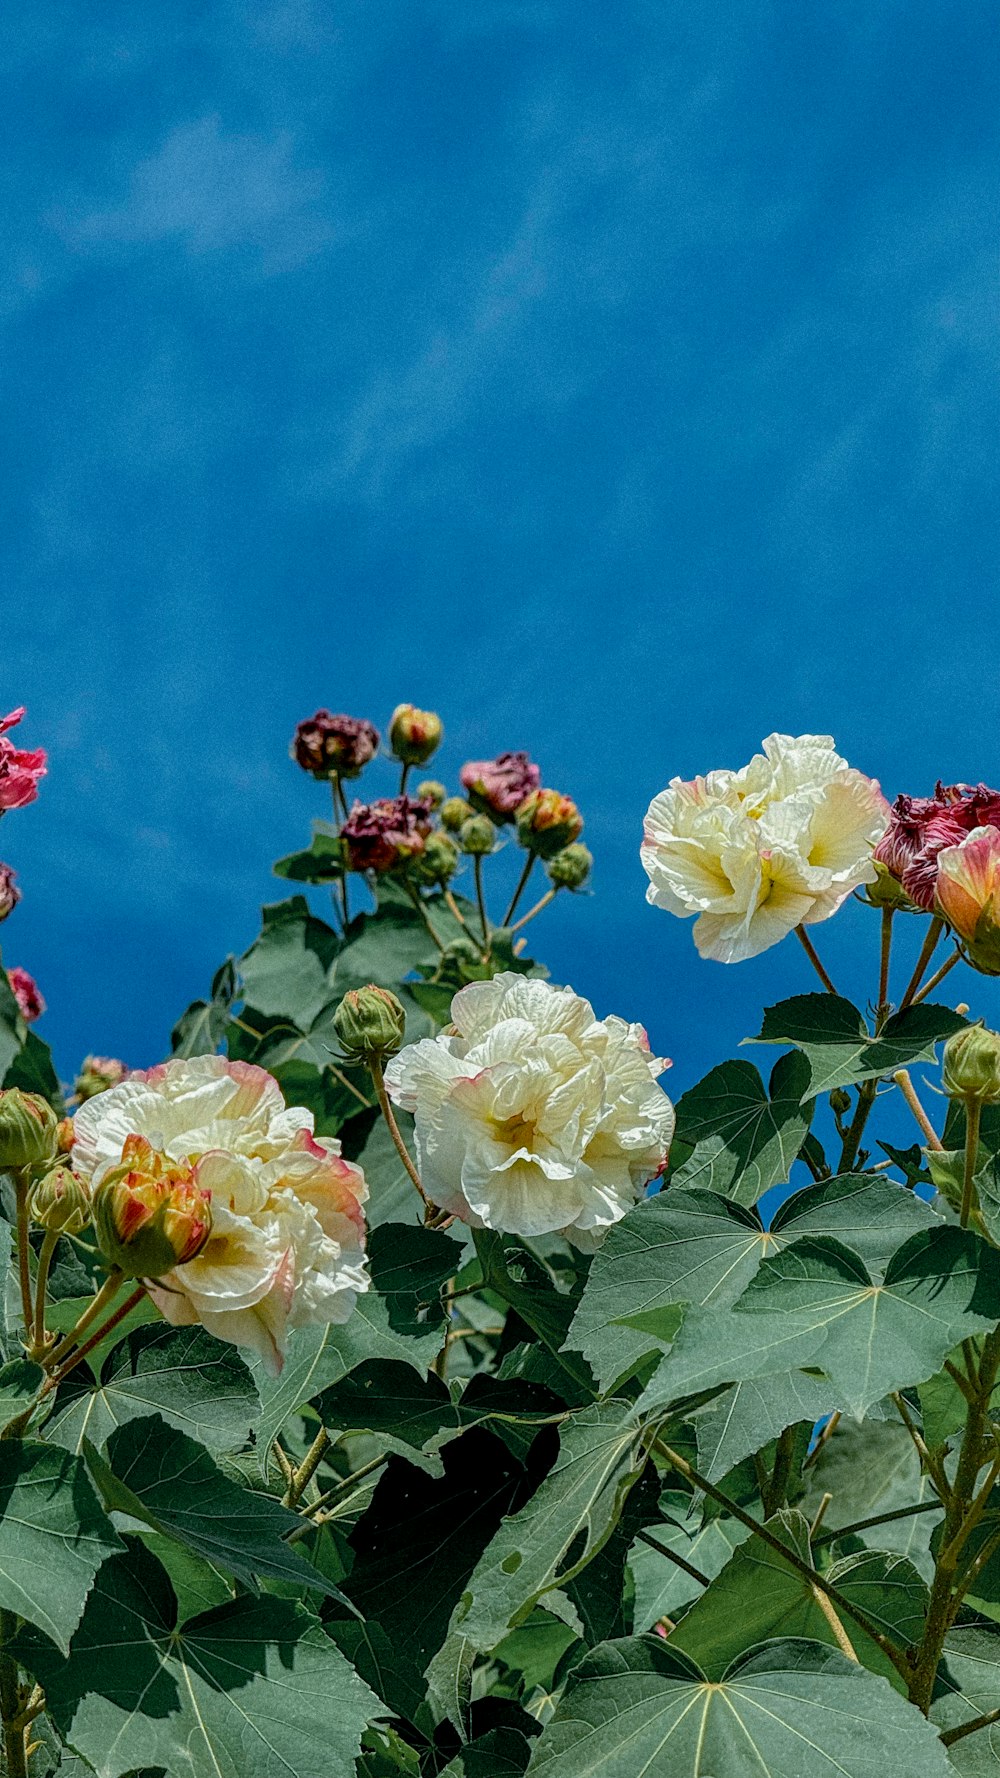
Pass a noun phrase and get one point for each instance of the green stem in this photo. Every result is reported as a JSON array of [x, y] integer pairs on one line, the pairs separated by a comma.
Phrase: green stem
[[950, 1736], [550, 895], [308, 1467], [22, 1186], [109, 1289], [378, 1079], [973, 1115], [777, 1489], [813, 956], [95, 1339], [521, 886], [309, 1520], [791, 1556], [417, 900], [403, 779], [672, 1556], [901, 1512], [852, 1141], [931, 937], [938, 976], [16, 1764], [908, 1090], [886, 948], [49, 1245], [335, 790], [477, 871]]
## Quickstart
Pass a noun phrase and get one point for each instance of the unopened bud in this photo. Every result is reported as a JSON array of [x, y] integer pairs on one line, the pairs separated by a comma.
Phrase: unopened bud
[[65, 1135], [60, 1203], [970, 1066], [548, 821], [840, 1102], [414, 734], [438, 861], [97, 1074], [370, 1023], [571, 867], [10, 894], [430, 790], [27, 1130], [454, 811], [150, 1213], [477, 835], [886, 891]]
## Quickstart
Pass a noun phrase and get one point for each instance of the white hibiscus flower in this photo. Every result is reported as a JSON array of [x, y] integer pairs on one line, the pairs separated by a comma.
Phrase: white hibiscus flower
[[288, 1233], [755, 853], [532, 1116]]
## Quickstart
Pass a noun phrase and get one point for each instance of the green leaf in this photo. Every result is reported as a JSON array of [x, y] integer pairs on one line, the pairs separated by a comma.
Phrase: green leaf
[[871, 1215], [165, 1480], [32, 1071], [201, 1029], [20, 1382], [197, 1383], [748, 1416], [392, 1197], [409, 1264], [253, 1689], [573, 1512], [62, 1316], [287, 970], [968, 1685], [54, 1535], [661, 1588], [792, 1710], [841, 1051], [676, 1247], [500, 1753], [321, 862], [743, 1137], [869, 1468], [408, 1413], [13, 1029], [815, 1303], [758, 1596], [198, 1585], [319, 1356]]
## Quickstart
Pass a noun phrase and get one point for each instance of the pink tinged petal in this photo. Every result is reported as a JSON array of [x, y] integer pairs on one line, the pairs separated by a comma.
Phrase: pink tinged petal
[[968, 881], [13, 718]]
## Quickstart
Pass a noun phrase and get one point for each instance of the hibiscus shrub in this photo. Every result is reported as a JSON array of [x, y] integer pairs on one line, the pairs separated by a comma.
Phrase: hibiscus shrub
[[392, 1383]]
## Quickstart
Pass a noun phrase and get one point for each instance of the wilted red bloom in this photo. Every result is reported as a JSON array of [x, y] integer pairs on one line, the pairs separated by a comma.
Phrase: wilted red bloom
[[331, 746], [25, 991], [19, 770], [499, 786], [10, 894], [380, 836], [920, 827]]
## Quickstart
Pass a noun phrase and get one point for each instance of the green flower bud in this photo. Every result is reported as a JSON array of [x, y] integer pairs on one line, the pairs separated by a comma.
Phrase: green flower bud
[[477, 835], [547, 822], [887, 891], [60, 1203], [454, 812], [414, 734], [27, 1130], [840, 1102], [571, 867], [429, 790], [438, 861], [370, 1023], [970, 1066]]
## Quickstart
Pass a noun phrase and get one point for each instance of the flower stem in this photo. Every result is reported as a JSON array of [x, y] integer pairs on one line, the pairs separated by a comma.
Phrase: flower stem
[[932, 935], [813, 956], [95, 1339], [477, 871], [550, 895], [457, 914], [22, 1184], [418, 902], [302, 1476], [973, 1114], [680, 1561], [852, 1141], [334, 790], [521, 886], [49, 1246], [403, 777], [886, 949], [109, 1289], [950, 1736], [906, 1087], [403, 1152], [938, 976]]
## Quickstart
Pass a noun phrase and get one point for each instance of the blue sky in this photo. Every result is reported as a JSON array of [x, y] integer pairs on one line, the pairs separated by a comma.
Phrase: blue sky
[[621, 381]]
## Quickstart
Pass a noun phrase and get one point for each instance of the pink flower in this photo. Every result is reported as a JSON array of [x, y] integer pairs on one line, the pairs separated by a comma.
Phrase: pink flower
[[25, 991], [499, 786], [19, 770], [921, 827], [331, 746], [382, 835], [10, 894], [968, 895]]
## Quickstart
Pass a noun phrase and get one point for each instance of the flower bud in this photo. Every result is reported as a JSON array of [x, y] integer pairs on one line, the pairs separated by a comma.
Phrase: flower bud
[[27, 1130], [60, 1203], [27, 994], [886, 891], [438, 862], [477, 835], [429, 790], [547, 821], [571, 867], [10, 894], [498, 787], [414, 734], [331, 746], [970, 1066], [454, 810], [150, 1213], [968, 895], [840, 1102], [370, 1023], [97, 1074], [65, 1135]]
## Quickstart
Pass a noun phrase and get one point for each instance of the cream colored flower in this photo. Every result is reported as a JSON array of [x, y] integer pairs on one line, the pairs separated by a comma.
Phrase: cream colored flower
[[533, 1117], [288, 1233], [756, 853]]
